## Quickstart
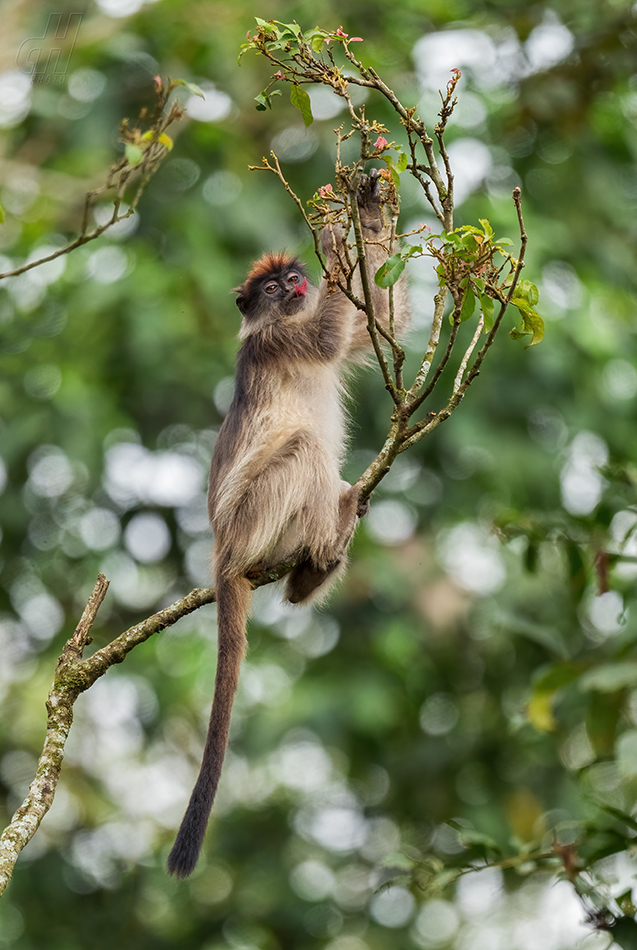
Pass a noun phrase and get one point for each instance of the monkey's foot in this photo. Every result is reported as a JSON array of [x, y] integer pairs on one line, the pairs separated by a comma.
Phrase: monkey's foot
[[377, 204], [369, 202], [255, 571]]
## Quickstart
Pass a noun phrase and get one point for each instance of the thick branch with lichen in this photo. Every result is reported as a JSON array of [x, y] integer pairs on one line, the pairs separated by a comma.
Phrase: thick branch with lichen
[[73, 676]]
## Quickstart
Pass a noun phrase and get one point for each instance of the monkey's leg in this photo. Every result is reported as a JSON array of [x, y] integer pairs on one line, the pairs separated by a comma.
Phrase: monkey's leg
[[308, 577]]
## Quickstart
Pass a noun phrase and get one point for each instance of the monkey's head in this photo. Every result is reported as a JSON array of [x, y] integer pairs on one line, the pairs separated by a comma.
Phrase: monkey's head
[[275, 286]]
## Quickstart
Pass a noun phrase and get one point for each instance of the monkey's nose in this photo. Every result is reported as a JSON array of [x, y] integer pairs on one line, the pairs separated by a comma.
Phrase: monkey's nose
[[300, 289]]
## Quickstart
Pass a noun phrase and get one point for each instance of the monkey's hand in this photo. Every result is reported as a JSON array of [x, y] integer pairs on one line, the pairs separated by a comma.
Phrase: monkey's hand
[[363, 508], [376, 203]]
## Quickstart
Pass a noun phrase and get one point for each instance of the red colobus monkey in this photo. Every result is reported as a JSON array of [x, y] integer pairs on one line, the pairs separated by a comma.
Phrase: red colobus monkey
[[275, 486]]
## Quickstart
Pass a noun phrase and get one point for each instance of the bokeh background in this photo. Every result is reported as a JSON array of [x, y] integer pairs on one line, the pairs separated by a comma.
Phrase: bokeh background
[[478, 664]]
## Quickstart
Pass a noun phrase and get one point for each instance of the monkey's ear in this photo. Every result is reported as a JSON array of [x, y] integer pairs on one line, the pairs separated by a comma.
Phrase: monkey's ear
[[241, 303]]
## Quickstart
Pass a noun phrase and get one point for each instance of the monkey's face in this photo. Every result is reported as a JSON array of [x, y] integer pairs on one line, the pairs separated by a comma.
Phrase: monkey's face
[[285, 292], [277, 286]]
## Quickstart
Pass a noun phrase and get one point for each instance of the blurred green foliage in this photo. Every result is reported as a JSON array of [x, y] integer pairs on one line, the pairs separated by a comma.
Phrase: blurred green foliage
[[471, 693]]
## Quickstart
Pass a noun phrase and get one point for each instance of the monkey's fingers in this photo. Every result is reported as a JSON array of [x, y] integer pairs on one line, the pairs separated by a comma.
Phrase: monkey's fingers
[[376, 201]]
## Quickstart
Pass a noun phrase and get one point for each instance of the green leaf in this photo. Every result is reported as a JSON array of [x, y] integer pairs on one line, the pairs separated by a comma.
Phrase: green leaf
[[548, 636], [610, 677], [300, 99], [555, 677], [487, 306], [527, 291], [1, 215], [468, 305], [486, 227], [244, 49], [190, 86], [619, 815], [293, 28], [478, 841], [454, 239], [540, 710], [134, 154], [532, 323], [594, 847], [317, 42], [624, 933], [470, 240], [401, 164], [388, 158], [625, 902], [264, 99], [468, 229], [387, 275], [602, 718], [535, 323], [398, 860]]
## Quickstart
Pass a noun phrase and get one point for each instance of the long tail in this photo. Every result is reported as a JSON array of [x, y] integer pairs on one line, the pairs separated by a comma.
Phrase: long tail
[[233, 601]]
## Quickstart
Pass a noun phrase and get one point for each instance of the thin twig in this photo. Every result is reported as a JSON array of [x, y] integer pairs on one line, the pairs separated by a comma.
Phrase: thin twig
[[440, 301], [416, 402], [118, 177], [278, 172], [467, 355]]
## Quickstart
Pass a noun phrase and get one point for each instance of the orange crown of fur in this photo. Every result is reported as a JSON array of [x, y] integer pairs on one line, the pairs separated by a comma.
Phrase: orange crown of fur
[[271, 264]]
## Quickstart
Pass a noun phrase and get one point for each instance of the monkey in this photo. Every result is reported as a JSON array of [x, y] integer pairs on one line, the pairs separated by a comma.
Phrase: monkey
[[275, 489]]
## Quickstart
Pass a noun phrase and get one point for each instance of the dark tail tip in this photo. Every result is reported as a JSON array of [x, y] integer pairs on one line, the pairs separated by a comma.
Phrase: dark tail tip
[[183, 858]]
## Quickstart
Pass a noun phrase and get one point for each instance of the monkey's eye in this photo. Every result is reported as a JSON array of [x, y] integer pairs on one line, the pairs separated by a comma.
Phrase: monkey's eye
[[271, 288], [293, 278]]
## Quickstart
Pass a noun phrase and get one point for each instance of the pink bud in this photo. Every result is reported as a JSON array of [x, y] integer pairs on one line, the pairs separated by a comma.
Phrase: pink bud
[[278, 74], [339, 32], [381, 142], [356, 39], [326, 191]]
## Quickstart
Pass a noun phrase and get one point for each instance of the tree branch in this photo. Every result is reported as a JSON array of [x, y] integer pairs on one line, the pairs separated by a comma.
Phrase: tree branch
[[73, 676], [153, 146]]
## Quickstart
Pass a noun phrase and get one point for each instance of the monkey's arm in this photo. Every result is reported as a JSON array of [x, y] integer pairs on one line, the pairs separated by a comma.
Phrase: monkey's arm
[[317, 335], [376, 220]]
